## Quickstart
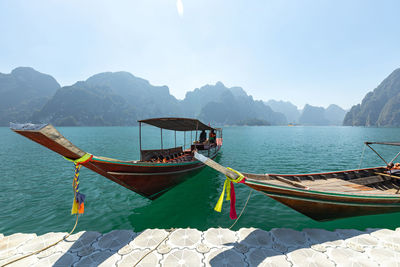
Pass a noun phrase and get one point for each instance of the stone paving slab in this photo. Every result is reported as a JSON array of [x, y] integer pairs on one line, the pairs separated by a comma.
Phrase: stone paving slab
[[213, 247]]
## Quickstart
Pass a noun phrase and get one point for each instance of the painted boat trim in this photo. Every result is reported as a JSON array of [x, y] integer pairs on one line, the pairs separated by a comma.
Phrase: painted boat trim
[[321, 192], [145, 164], [333, 202], [153, 173]]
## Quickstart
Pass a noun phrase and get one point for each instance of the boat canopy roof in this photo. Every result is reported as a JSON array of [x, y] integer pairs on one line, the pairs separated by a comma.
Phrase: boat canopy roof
[[178, 124], [384, 143]]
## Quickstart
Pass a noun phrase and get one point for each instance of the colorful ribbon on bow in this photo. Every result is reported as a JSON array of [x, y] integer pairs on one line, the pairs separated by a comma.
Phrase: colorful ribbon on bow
[[78, 205], [230, 193]]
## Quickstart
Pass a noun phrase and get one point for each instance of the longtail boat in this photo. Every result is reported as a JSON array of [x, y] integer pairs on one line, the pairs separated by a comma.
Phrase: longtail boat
[[329, 195], [155, 173]]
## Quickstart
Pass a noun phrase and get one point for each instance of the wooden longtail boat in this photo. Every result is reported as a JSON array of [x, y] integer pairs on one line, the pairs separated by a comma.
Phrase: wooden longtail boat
[[330, 195], [155, 173]]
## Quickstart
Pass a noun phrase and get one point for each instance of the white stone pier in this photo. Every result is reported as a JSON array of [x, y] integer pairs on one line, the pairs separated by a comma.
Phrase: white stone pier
[[214, 247]]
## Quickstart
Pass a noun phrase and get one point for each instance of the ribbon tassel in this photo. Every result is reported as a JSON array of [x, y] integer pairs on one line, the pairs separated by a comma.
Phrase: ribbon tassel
[[230, 194], [78, 205]]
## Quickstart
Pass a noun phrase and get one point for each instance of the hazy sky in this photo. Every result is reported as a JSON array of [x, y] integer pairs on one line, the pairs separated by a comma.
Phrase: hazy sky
[[316, 52]]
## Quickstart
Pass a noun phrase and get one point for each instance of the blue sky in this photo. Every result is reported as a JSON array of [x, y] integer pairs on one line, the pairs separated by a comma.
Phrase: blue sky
[[317, 52]]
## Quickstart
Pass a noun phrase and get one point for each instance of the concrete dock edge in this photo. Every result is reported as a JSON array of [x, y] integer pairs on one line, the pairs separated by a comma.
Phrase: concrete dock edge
[[213, 247]]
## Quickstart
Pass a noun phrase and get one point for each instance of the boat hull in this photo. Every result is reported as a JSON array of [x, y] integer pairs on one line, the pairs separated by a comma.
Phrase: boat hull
[[324, 206], [148, 179]]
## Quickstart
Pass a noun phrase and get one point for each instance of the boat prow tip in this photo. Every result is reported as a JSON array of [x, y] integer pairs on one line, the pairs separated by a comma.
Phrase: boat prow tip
[[27, 126]]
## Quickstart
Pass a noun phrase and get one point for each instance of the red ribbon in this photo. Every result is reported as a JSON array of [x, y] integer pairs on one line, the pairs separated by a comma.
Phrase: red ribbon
[[232, 213]]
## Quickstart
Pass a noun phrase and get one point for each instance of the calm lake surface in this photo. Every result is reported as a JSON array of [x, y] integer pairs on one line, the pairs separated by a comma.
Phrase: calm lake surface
[[36, 183]]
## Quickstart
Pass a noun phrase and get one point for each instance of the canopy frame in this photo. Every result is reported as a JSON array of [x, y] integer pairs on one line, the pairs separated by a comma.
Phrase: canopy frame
[[175, 124], [368, 144]]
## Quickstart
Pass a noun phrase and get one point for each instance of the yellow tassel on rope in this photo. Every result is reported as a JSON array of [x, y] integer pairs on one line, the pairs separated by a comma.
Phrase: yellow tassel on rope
[[227, 188], [74, 209]]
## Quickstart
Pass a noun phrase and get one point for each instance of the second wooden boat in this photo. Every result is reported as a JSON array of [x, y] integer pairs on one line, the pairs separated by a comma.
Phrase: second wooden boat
[[329, 195]]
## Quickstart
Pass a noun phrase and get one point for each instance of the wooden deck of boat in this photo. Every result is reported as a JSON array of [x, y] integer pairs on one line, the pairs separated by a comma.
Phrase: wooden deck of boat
[[371, 181]]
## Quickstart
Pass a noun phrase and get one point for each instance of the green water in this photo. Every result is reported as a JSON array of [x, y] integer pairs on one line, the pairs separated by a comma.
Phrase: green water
[[36, 192]]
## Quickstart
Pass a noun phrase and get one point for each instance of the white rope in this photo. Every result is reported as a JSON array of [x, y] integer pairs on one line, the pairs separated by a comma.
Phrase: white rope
[[245, 205]]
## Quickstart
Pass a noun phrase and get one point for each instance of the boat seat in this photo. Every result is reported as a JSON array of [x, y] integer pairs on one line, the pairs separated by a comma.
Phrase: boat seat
[[369, 180]]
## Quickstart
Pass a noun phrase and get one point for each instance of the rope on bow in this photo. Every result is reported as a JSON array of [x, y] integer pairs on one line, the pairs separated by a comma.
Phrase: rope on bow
[[78, 205], [230, 193]]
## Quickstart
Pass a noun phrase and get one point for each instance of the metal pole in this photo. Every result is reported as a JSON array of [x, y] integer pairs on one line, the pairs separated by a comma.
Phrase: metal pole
[[191, 138], [140, 140], [197, 128], [175, 138], [184, 140], [161, 140], [387, 164], [398, 154]]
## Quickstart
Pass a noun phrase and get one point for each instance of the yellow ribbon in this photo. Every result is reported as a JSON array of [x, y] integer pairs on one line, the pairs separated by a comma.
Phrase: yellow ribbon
[[74, 209], [81, 159], [227, 188]]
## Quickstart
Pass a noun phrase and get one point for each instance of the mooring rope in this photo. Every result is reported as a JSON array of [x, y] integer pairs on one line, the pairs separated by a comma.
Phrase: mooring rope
[[45, 248], [155, 248], [77, 206], [244, 207]]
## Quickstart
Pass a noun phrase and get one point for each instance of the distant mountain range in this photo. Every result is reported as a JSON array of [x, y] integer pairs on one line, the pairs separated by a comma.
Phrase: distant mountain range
[[381, 107], [120, 98], [310, 115]]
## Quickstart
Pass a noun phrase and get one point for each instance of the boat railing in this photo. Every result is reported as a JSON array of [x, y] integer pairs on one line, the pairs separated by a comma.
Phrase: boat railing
[[147, 155]]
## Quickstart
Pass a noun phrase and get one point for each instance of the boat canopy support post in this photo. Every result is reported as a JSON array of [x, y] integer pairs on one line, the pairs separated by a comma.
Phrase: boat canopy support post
[[387, 164], [161, 140], [184, 140], [140, 140], [175, 137], [197, 128], [398, 154]]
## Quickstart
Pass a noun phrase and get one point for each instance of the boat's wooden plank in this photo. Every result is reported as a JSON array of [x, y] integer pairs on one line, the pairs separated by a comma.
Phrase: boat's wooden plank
[[387, 175], [336, 181], [341, 188], [336, 189], [368, 180], [296, 184], [322, 182]]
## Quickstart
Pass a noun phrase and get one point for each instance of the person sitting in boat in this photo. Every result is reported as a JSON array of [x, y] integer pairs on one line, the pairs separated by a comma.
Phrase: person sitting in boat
[[203, 136], [211, 137], [396, 166], [160, 159]]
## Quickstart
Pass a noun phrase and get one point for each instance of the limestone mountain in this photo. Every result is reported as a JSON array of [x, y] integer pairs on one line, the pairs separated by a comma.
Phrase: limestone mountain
[[381, 107], [195, 100], [311, 115], [85, 105], [291, 111], [110, 98], [148, 100], [335, 114], [23, 91], [234, 106]]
